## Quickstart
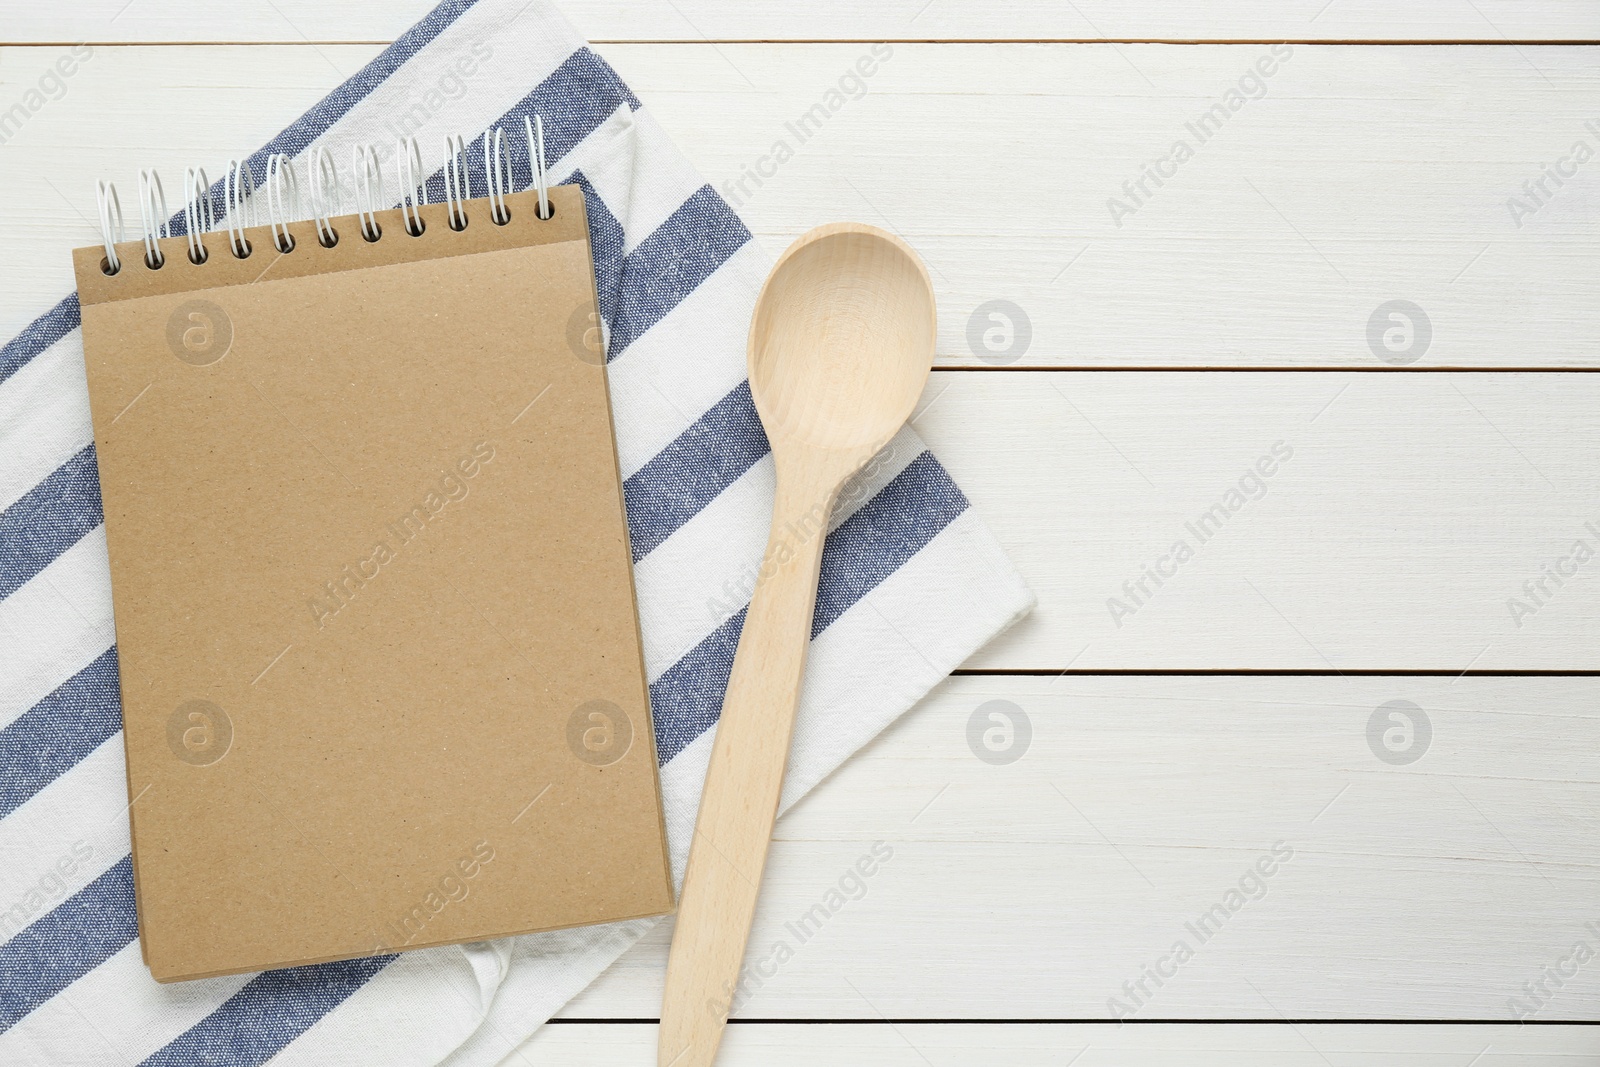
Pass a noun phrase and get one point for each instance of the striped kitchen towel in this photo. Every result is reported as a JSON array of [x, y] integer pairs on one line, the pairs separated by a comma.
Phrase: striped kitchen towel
[[912, 583]]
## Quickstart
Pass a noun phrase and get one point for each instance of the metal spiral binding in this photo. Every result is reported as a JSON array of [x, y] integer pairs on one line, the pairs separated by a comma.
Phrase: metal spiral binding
[[283, 200], [324, 195], [152, 217], [197, 216], [496, 166], [413, 184], [237, 205], [240, 211], [368, 175], [536, 162], [109, 205], [457, 181]]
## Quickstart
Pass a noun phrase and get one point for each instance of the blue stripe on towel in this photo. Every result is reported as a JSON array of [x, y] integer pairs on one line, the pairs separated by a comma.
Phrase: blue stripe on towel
[[574, 101], [39, 335], [271, 1010], [606, 241], [55, 734], [686, 700], [63, 945], [671, 263], [681, 479], [866, 548], [49, 519], [887, 531]]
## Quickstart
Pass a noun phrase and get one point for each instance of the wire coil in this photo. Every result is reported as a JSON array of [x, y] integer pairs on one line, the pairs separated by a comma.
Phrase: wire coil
[[234, 206], [413, 186], [152, 217], [110, 232], [457, 181], [197, 215], [237, 207], [368, 175], [283, 200], [324, 195]]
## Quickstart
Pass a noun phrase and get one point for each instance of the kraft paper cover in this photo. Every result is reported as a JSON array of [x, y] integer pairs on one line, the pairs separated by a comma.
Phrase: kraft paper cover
[[382, 680]]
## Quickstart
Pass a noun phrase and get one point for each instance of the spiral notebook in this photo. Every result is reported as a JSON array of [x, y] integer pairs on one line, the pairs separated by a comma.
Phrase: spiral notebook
[[381, 671]]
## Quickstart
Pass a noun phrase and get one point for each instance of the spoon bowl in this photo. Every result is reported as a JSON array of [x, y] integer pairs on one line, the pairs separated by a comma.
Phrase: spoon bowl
[[842, 339]]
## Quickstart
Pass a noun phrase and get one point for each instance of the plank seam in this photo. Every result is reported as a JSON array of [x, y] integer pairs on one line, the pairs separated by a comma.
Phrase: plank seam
[[1353, 42], [1255, 369], [912, 1021], [1266, 672]]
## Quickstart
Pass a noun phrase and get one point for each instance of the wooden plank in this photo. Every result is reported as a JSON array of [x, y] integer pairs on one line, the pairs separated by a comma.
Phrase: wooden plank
[[1023, 1045], [1035, 889], [1361, 177], [1364, 176], [696, 20], [1325, 522]]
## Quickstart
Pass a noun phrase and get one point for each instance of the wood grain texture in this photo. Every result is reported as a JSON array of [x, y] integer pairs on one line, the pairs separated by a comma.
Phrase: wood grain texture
[[1024, 1045], [1035, 889], [696, 20], [1238, 259]]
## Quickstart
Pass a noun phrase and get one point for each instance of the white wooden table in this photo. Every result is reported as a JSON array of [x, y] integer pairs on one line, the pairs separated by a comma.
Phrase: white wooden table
[[1221, 310]]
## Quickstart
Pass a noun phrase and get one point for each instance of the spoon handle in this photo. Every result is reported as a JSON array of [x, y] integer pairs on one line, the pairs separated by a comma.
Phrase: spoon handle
[[743, 783]]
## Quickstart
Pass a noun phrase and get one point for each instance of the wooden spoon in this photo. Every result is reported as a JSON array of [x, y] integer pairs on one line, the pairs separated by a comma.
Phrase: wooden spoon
[[840, 348]]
